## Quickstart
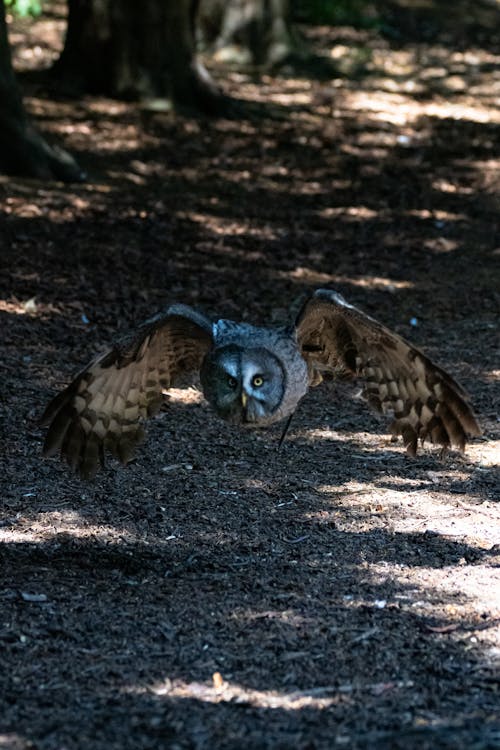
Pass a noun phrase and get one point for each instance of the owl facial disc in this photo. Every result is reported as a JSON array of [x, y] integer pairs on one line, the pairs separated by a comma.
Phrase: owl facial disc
[[245, 386]]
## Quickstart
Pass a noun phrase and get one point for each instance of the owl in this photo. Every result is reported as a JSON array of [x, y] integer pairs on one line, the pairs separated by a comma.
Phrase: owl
[[252, 376]]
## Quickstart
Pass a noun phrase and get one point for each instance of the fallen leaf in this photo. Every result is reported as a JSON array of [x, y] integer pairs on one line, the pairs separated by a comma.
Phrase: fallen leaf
[[218, 680]]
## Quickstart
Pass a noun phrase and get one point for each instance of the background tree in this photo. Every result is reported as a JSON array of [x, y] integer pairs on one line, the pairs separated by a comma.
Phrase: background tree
[[257, 32], [23, 150], [134, 50]]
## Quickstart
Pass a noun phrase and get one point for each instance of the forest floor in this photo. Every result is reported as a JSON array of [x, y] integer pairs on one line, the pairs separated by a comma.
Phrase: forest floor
[[217, 593]]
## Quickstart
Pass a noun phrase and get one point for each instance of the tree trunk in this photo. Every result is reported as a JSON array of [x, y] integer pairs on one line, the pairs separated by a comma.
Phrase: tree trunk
[[23, 151], [256, 32], [136, 50]]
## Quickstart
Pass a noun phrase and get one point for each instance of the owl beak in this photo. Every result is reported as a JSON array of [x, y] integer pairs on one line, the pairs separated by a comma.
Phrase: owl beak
[[244, 399]]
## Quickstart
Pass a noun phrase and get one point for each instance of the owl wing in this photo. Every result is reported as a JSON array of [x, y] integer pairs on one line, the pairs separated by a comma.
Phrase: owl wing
[[105, 405], [398, 378]]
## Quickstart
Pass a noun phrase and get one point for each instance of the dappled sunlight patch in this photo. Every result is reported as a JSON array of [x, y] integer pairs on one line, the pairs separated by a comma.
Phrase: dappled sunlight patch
[[357, 213], [311, 276], [393, 108], [51, 203], [107, 107], [438, 501], [60, 525], [226, 227], [14, 741], [437, 71], [445, 110], [130, 140], [375, 498], [187, 396], [445, 186], [401, 109], [290, 92], [53, 112], [484, 166], [18, 206], [492, 375], [439, 217], [292, 99], [31, 307], [485, 453], [119, 133], [441, 245], [220, 690], [422, 593], [355, 487], [380, 444]]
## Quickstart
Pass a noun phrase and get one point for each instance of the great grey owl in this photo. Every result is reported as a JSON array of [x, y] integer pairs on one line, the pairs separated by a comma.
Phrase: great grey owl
[[252, 376]]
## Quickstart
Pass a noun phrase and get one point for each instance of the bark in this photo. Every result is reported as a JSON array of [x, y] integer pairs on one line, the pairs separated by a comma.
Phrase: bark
[[23, 151], [257, 32], [137, 50]]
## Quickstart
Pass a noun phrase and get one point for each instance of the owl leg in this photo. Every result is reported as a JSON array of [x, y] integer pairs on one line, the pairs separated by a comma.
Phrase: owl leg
[[287, 427]]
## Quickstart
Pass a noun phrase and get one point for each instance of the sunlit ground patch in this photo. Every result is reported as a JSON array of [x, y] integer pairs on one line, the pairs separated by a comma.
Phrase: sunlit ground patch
[[219, 690], [189, 395], [29, 306], [47, 526], [311, 276], [485, 453]]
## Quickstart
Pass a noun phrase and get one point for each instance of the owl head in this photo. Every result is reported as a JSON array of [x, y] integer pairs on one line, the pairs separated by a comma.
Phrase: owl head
[[244, 385]]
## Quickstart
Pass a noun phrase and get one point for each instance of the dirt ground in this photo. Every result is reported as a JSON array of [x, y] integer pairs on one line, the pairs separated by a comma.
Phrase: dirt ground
[[217, 593]]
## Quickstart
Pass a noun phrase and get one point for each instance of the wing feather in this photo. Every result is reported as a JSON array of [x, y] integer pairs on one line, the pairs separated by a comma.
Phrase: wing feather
[[105, 405], [398, 378]]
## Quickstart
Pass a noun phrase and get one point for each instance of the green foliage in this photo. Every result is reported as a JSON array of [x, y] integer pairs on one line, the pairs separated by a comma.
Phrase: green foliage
[[25, 8], [358, 13]]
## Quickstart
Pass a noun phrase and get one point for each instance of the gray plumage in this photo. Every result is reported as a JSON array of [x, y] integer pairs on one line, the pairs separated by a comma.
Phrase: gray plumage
[[252, 376], [243, 353]]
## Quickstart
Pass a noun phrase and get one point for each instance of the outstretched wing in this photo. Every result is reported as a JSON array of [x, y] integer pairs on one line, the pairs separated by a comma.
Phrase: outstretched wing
[[104, 407], [398, 379]]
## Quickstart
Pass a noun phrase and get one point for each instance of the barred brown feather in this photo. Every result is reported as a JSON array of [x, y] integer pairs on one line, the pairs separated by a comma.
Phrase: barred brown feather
[[398, 378], [104, 407]]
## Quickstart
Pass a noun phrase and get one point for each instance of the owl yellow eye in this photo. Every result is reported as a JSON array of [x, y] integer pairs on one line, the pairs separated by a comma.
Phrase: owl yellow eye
[[258, 381], [232, 382]]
